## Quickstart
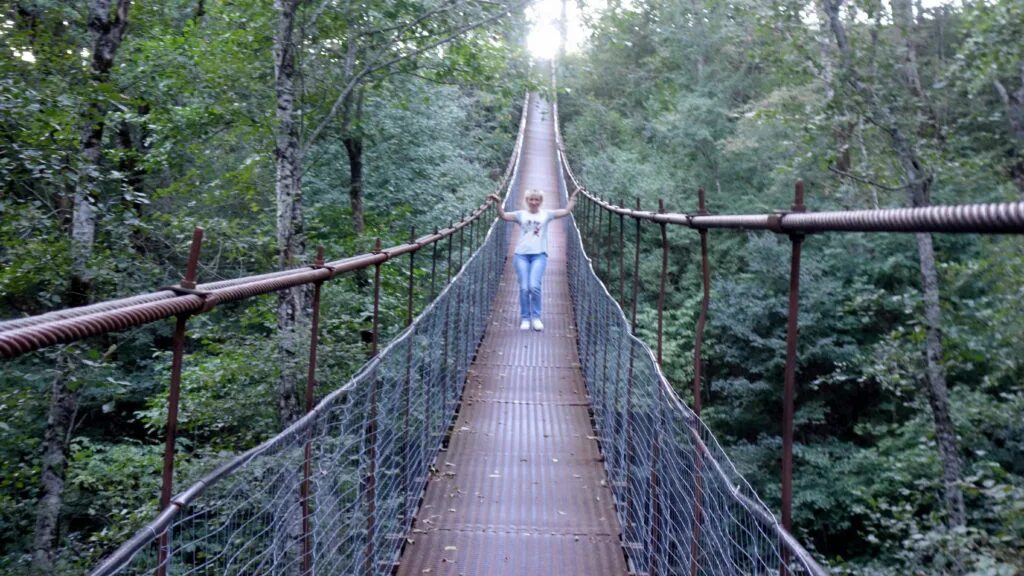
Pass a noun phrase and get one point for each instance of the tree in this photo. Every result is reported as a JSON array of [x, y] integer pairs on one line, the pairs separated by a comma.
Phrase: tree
[[917, 183], [107, 24], [353, 48]]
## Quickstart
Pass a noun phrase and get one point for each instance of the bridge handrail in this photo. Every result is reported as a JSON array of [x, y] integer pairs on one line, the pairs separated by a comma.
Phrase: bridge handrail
[[732, 478], [21, 335], [984, 218]]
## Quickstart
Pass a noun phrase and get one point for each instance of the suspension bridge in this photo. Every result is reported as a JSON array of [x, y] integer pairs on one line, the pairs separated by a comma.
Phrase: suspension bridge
[[468, 446]]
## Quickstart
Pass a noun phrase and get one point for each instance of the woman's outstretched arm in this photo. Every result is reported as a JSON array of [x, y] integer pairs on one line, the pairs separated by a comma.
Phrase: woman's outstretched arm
[[501, 209], [563, 212]]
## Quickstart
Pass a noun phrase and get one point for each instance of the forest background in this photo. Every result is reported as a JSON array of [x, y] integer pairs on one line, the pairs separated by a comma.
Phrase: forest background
[[281, 127]]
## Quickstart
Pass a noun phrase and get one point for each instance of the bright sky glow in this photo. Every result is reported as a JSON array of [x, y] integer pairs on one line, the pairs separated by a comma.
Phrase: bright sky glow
[[543, 15], [543, 39]]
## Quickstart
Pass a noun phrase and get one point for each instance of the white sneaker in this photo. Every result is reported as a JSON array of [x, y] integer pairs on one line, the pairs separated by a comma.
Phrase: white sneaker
[[524, 325], [537, 324]]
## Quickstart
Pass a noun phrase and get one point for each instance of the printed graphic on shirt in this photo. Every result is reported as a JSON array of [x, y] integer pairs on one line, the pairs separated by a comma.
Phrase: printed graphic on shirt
[[534, 236], [533, 227]]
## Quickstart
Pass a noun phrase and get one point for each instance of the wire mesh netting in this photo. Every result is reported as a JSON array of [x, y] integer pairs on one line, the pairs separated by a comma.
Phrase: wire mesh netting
[[335, 493], [682, 506]]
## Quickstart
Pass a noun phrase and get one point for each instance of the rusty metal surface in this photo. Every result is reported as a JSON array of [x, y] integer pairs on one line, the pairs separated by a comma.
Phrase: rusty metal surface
[[992, 218], [521, 488]]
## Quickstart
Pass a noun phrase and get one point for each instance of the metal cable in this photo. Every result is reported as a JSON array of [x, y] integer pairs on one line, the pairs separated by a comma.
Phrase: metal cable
[[370, 458]]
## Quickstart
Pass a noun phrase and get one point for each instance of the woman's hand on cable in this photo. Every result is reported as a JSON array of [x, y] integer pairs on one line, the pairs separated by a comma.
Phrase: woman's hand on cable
[[501, 208]]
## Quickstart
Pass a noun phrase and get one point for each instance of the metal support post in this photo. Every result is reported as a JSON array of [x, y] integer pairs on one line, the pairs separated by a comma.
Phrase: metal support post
[[174, 396], [789, 379]]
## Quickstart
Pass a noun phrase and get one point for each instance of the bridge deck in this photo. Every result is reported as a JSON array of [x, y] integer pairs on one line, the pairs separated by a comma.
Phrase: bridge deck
[[521, 488]]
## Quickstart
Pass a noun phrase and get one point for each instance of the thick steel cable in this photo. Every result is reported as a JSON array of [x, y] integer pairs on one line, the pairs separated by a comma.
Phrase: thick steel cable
[[992, 218]]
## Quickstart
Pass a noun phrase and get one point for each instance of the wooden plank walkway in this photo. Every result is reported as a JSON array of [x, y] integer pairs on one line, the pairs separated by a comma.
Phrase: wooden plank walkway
[[521, 488]]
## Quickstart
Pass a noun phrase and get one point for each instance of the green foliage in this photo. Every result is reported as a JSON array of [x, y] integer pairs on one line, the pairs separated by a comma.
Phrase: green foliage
[[189, 142], [734, 97]]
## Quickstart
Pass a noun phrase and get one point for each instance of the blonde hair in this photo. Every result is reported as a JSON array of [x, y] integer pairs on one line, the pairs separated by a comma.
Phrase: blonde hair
[[533, 193]]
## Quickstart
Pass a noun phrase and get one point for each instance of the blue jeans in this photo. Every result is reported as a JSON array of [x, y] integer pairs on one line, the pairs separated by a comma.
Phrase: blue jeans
[[530, 270]]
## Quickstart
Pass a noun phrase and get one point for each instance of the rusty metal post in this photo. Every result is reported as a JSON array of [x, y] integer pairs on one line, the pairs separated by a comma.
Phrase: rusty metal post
[[705, 269], [656, 448], [595, 240], [592, 230], [698, 514], [174, 396], [407, 391], [465, 303], [376, 302], [462, 243], [630, 444], [789, 379], [664, 274], [450, 254], [428, 412], [446, 339], [636, 269], [619, 414], [433, 268], [586, 219], [622, 256], [370, 441], [314, 338], [608, 249], [371, 429]]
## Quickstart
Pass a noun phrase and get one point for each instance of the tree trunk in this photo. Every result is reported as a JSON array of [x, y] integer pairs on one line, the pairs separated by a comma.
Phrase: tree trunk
[[842, 130], [1013, 102], [919, 195], [353, 139], [938, 396], [132, 149], [107, 30], [918, 188], [291, 242], [354, 147], [63, 404]]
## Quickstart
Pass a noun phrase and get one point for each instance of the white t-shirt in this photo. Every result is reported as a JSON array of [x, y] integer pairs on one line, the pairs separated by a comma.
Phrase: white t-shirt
[[534, 228]]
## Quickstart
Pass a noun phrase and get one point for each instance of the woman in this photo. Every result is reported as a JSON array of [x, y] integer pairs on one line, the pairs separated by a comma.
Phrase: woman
[[531, 255]]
